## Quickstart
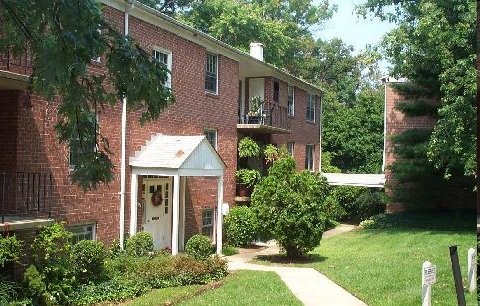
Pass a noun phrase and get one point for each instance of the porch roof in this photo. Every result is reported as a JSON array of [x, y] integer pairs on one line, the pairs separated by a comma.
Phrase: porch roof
[[182, 155]]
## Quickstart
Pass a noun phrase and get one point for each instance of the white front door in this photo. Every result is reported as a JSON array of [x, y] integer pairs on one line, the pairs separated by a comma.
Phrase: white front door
[[158, 205]]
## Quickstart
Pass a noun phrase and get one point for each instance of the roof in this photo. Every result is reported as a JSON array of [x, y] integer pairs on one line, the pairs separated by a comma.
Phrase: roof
[[364, 180], [202, 38], [189, 155]]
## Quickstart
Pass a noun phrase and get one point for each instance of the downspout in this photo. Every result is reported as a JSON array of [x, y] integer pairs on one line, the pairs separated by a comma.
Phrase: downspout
[[384, 125], [123, 157], [320, 133]]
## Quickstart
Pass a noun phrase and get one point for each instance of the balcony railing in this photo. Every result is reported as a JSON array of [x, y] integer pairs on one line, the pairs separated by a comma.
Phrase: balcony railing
[[17, 64], [271, 115], [25, 194]]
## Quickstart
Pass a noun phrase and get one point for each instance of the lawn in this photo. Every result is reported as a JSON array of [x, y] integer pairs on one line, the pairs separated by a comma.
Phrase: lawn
[[239, 288], [383, 266]]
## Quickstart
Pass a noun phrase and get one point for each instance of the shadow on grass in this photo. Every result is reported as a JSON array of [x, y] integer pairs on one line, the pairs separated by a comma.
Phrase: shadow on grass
[[284, 260]]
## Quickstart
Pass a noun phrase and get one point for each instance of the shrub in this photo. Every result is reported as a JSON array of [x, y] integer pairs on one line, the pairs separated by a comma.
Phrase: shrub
[[290, 206], [240, 226], [369, 204], [10, 249], [114, 249], [8, 291], [51, 251], [247, 147], [34, 284], [228, 250], [189, 271], [199, 247], [88, 258], [359, 203], [140, 244]]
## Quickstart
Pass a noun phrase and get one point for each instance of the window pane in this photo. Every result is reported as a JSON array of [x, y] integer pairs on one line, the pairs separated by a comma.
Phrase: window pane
[[211, 136], [211, 73]]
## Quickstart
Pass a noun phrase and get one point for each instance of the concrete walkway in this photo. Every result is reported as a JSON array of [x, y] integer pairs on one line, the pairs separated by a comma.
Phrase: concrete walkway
[[310, 286]]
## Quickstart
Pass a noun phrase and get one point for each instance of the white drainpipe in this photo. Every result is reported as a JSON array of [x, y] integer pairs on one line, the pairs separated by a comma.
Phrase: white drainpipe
[[123, 157]]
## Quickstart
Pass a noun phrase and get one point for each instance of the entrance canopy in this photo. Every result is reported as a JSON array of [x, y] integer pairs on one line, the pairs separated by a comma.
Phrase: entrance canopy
[[177, 156], [182, 155]]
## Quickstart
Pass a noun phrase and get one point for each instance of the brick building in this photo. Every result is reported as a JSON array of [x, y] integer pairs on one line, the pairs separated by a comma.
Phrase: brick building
[[179, 170]]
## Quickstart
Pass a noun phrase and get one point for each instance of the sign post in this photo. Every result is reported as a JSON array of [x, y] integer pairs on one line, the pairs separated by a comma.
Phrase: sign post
[[472, 270], [429, 276]]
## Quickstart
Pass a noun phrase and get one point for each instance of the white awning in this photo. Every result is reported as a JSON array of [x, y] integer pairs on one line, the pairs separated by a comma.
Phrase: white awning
[[363, 180], [182, 155]]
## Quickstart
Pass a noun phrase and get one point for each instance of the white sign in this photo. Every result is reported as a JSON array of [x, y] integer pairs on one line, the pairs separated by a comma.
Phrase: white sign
[[225, 209], [429, 274]]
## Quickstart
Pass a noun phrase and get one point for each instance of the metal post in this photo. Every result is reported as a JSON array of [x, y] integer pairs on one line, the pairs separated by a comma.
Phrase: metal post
[[3, 198], [457, 275]]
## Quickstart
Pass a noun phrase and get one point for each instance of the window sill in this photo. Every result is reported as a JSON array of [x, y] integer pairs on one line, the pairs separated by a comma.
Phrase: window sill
[[311, 122], [212, 94]]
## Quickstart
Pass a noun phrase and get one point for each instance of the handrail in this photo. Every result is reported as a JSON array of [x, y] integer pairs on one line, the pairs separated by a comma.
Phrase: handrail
[[272, 114]]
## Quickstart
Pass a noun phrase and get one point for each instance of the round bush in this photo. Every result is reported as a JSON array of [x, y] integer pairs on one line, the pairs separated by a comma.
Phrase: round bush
[[199, 247], [240, 226], [140, 244], [88, 258]]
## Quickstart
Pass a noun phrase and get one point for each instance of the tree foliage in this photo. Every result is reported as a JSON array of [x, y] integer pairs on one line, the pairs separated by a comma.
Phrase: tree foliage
[[434, 46], [290, 206], [61, 38], [282, 26]]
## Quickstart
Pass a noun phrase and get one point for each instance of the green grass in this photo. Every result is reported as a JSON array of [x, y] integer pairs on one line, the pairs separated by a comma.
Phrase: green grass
[[383, 266], [165, 296], [247, 288]]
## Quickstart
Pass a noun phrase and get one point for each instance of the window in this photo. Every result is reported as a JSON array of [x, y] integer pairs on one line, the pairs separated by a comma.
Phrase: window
[[207, 222], [211, 135], [291, 101], [82, 232], [276, 90], [309, 150], [211, 73], [165, 58], [81, 148], [290, 148], [311, 108]]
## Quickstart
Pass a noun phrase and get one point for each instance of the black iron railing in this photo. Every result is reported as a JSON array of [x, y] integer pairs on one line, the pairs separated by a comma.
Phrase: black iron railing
[[18, 64], [25, 194], [271, 114]]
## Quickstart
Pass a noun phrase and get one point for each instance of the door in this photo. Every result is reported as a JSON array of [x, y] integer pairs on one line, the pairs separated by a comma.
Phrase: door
[[158, 218]]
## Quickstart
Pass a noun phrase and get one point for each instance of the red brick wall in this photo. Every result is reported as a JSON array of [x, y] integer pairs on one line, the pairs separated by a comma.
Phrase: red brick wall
[[302, 131], [8, 129]]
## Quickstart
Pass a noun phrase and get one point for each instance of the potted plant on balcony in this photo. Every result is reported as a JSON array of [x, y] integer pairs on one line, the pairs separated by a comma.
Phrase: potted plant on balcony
[[246, 179], [255, 110]]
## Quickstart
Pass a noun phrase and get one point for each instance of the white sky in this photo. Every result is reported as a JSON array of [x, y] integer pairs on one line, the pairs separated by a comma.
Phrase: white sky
[[354, 30]]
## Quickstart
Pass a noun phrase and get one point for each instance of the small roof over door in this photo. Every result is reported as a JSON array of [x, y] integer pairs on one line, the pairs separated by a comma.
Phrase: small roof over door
[[182, 155]]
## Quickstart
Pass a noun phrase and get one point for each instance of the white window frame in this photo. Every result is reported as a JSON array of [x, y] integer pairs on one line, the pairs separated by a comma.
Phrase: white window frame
[[214, 74], [168, 65], [80, 231], [290, 147], [311, 108], [309, 157], [291, 102], [211, 226], [213, 132]]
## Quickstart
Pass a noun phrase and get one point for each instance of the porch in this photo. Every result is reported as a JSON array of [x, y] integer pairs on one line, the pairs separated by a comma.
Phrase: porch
[[271, 119]]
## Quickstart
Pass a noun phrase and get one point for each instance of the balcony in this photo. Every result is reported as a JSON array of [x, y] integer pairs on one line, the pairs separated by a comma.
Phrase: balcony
[[16, 64], [25, 200], [272, 119]]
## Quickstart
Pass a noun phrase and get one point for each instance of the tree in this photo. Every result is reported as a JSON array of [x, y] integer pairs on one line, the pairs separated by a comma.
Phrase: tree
[[282, 26], [61, 38], [434, 46], [290, 206], [168, 7]]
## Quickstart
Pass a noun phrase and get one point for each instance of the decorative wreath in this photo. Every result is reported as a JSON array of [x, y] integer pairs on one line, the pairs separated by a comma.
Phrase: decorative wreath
[[157, 198]]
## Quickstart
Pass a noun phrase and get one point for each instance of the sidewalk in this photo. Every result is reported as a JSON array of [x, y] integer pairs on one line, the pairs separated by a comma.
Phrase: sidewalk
[[310, 286]]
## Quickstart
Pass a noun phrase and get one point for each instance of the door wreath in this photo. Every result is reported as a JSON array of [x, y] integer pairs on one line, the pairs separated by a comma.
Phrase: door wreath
[[156, 198]]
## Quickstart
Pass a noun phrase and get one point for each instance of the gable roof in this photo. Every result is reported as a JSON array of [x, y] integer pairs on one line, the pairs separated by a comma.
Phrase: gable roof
[[189, 155]]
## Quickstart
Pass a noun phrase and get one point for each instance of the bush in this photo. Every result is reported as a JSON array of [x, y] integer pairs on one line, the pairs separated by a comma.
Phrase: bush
[[240, 226], [189, 271], [290, 206], [140, 244], [228, 250], [88, 258], [8, 292], [10, 249], [199, 247], [359, 203]]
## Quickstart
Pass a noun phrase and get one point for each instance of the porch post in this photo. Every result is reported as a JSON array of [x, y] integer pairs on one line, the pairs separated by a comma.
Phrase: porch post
[[219, 215], [182, 238], [133, 204], [175, 213]]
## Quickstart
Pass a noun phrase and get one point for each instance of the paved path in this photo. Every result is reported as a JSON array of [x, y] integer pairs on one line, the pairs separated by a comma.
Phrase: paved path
[[310, 286]]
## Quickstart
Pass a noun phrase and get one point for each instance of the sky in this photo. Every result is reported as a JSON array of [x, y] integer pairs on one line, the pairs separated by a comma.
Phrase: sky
[[354, 30]]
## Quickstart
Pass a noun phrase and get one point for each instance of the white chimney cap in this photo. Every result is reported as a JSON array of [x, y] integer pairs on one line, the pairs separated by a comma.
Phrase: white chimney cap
[[256, 50]]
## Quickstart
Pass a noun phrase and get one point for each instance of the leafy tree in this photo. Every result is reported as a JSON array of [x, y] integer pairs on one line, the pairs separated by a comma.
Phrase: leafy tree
[[61, 38], [434, 47], [282, 26], [168, 7], [290, 206]]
